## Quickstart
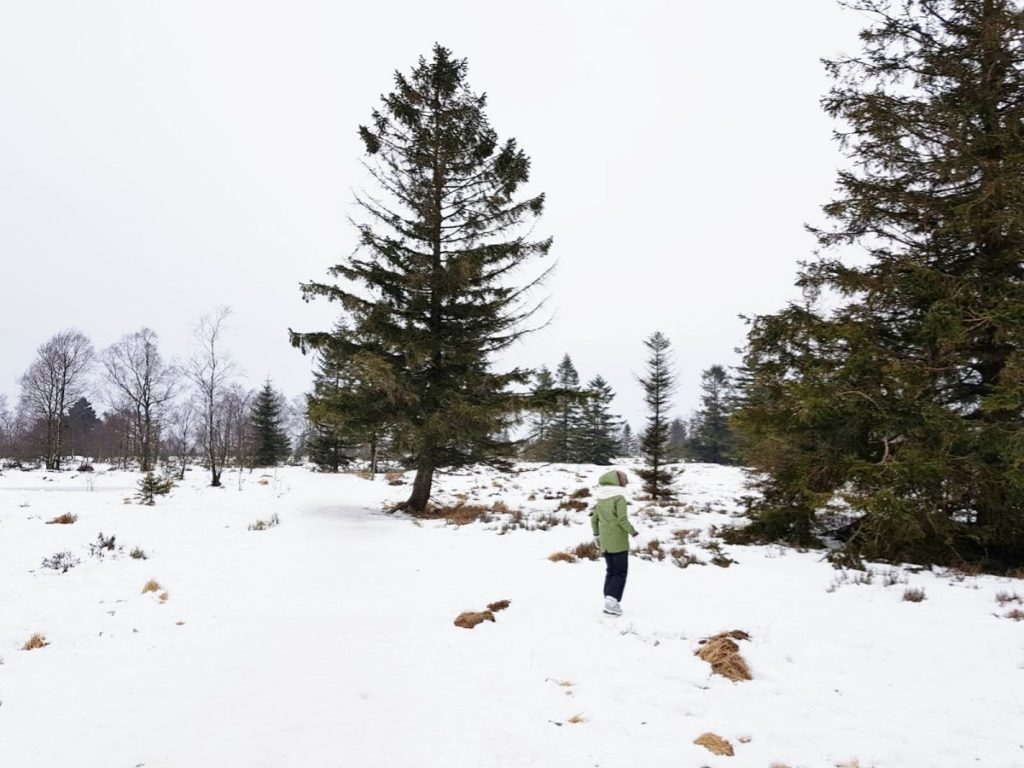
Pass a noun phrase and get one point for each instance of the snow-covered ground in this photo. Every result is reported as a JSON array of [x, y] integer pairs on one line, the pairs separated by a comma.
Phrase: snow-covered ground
[[328, 640]]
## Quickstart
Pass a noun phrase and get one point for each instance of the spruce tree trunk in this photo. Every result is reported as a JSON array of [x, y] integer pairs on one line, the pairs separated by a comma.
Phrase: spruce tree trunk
[[424, 481]]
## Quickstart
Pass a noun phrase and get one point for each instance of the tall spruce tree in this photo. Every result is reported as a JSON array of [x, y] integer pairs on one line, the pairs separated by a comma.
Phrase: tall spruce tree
[[712, 439], [596, 437], [907, 401], [270, 442], [627, 441], [678, 439], [431, 294], [658, 384]]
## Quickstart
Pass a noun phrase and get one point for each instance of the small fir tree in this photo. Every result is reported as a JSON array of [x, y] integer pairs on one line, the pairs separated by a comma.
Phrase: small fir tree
[[712, 440], [596, 439], [565, 423], [270, 442], [658, 384]]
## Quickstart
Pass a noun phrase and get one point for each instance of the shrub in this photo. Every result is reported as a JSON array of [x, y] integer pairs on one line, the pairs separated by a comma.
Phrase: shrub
[[262, 525], [36, 641], [1016, 614], [499, 605], [580, 493], [913, 595], [61, 561], [1008, 597], [137, 554], [85, 466], [682, 558], [66, 519], [151, 586], [652, 550], [102, 545]]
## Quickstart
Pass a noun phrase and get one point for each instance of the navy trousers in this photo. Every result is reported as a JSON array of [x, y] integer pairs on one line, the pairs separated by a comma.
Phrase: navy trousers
[[616, 567]]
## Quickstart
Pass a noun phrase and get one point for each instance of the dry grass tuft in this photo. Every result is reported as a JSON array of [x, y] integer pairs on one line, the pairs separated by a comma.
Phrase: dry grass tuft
[[778, 765], [1008, 597], [36, 641], [562, 557], [164, 596], [469, 619], [66, 519], [464, 514], [263, 481], [262, 525], [652, 550], [577, 719], [1016, 614], [395, 478], [588, 550], [913, 595], [714, 744], [151, 586], [500, 605], [500, 508], [580, 493], [577, 505], [723, 654]]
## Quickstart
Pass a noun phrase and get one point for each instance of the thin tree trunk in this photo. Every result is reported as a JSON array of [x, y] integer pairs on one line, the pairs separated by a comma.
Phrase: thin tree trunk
[[424, 481]]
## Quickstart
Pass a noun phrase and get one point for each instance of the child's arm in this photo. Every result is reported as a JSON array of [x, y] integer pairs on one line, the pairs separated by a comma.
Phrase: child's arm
[[621, 518], [593, 520]]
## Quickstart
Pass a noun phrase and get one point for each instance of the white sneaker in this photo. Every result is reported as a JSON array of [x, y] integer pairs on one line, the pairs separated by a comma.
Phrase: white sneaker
[[612, 607]]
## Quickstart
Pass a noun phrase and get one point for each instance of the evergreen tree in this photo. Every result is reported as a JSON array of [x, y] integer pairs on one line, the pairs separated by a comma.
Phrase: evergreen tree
[[907, 400], [678, 439], [659, 384], [596, 437], [712, 439], [565, 423], [627, 442], [538, 440], [430, 297], [81, 423], [270, 443]]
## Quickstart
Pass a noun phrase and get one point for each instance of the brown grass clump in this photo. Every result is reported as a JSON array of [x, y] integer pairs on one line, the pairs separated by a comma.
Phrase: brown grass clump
[[913, 595], [151, 586], [574, 504], [588, 550], [723, 654], [714, 744], [1016, 614], [66, 519], [562, 557], [500, 508], [164, 596], [1008, 597], [469, 619], [394, 478], [500, 605], [463, 514], [778, 765], [577, 719], [652, 550], [36, 641], [580, 493]]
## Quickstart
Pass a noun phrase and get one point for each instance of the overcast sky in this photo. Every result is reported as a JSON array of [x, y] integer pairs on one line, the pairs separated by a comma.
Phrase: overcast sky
[[158, 159]]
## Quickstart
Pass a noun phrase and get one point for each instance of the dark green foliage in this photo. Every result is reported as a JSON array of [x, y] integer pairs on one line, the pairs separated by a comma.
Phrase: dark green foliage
[[711, 440], [270, 443], [658, 384], [430, 295], [595, 440], [80, 423], [906, 400], [537, 446], [150, 486], [678, 439], [561, 441], [628, 445]]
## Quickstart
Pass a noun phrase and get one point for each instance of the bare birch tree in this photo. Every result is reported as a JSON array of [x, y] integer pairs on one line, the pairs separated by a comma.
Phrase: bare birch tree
[[210, 370], [182, 432], [143, 383], [54, 381]]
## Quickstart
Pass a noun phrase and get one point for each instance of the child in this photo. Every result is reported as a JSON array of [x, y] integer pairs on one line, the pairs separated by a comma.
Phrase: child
[[611, 528]]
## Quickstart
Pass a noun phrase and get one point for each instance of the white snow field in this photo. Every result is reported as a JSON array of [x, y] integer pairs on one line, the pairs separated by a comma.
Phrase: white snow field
[[328, 640]]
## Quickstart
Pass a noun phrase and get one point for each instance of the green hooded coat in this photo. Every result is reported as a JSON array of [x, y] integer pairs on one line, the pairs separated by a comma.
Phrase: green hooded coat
[[608, 518]]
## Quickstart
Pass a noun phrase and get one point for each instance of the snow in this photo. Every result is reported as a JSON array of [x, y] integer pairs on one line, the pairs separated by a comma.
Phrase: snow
[[328, 640]]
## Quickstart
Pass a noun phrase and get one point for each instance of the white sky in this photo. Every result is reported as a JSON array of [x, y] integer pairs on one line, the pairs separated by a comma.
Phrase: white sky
[[158, 159]]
